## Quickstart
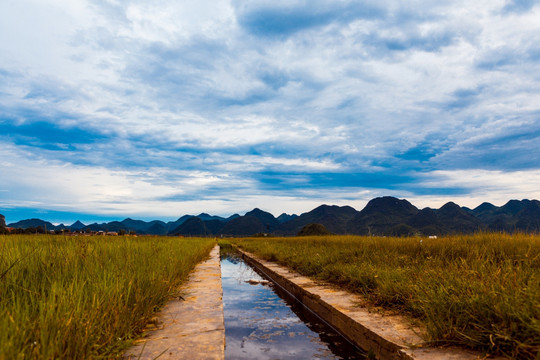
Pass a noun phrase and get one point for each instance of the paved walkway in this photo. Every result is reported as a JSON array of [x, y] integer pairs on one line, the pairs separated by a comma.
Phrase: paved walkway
[[192, 328]]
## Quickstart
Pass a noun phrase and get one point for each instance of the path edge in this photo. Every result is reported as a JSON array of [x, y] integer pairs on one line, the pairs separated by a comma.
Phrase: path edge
[[402, 344]]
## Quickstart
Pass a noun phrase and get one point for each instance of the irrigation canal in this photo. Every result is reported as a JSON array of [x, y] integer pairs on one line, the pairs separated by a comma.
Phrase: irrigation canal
[[263, 321], [229, 311]]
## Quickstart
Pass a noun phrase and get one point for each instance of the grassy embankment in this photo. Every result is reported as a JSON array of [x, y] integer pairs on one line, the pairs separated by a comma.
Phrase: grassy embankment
[[86, 297], [480, 291]]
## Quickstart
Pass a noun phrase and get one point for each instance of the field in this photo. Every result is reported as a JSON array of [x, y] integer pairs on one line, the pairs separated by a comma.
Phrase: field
[[479, 291], [86, 297]]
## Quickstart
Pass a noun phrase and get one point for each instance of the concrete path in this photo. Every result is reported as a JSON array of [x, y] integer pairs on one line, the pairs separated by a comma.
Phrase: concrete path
[[192, 328]]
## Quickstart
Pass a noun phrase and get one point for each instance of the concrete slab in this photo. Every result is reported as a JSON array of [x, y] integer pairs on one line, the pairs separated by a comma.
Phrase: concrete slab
[[388, 335], [189, 328]]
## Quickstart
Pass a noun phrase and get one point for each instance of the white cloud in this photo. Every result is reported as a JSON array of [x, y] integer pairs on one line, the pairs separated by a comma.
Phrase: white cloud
[[497, 187], [61, 186], [199, 93]]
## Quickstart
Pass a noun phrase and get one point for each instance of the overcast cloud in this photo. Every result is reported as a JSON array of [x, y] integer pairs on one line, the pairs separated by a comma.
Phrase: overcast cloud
[[155, 109]]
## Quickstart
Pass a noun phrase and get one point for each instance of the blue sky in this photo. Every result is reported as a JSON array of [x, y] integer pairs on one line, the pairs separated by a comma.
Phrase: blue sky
[[155, 109]]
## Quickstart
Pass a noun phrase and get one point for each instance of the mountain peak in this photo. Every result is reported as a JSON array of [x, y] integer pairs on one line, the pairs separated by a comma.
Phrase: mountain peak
[[514, 206], [450, 205], [257, 211], [389, 204], [192, 226], [33, 223], [77, 225], [207, 217], [232, 217], [381, 216], [286, 217], [484, 206], [331, 209], [267, 219]]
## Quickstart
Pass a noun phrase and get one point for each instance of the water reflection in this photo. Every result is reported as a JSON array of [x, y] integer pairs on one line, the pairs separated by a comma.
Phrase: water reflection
[[261, 325]]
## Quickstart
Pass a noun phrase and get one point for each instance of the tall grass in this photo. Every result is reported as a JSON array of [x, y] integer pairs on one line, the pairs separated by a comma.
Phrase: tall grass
[[480, 291], [85, 297]]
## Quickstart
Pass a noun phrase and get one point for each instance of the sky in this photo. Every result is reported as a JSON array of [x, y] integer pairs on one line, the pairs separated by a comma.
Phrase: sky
[[155, 109]]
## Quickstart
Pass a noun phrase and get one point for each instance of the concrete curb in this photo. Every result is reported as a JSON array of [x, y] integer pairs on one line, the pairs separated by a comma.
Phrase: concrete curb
[[388, 336], [191, 327]]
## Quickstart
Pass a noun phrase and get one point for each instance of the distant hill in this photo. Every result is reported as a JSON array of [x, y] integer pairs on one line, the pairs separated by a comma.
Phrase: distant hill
[[157, 228], [212, 223], [286, 217], [381, 216], [113, 226], [484, 211], [453, 219], [207, 217], [334, 218], [192, 227], [243, 226], [515, 215], [314, 230], [33, 223], [172, 225], [268, 220], [528, 218], [135, 225], [232, 217], [77, 225], [425, 221]]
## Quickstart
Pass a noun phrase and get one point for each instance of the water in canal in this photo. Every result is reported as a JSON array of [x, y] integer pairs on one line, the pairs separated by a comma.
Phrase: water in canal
[[259, 324]]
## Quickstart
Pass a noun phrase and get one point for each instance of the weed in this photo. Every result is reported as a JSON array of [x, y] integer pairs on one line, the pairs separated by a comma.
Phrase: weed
[[480, 291], [86, 297]]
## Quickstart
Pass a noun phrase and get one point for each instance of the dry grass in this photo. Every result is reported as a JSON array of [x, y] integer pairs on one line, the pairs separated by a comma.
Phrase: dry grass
[[480, 291], [85, 297]]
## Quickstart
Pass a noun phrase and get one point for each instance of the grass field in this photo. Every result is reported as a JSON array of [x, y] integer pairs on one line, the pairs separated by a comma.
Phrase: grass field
[[86, 297], [480, 291]]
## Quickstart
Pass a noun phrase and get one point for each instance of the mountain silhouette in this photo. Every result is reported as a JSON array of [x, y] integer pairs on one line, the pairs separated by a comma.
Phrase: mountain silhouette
[[528, 218], [426, 222], [484, 211], [332, 217], [381, 216], [515, 215], [314, 230], [193, 226], [244, 226], [268, 220], [454, 219], [285, 217], [33, 223], [157, 228], [77, 225]]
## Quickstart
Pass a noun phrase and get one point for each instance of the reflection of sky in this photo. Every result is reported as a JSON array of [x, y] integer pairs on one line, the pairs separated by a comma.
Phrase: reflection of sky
[[259, 324]]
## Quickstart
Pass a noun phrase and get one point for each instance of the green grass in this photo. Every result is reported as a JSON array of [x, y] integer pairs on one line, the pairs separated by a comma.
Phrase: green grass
[[86, 297], [480, 291]]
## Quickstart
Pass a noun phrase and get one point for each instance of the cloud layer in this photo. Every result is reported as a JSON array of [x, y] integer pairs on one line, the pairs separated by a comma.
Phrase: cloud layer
[[155, 109]]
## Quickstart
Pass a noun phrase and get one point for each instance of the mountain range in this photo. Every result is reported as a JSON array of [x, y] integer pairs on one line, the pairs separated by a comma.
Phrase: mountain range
[[382, 216]]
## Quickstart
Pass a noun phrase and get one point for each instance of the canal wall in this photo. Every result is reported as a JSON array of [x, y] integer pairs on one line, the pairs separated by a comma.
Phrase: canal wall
[[192, 325], [388, 336]]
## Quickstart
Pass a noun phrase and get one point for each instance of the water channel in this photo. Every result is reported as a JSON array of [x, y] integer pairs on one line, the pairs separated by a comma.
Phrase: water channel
[[263, 322]]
